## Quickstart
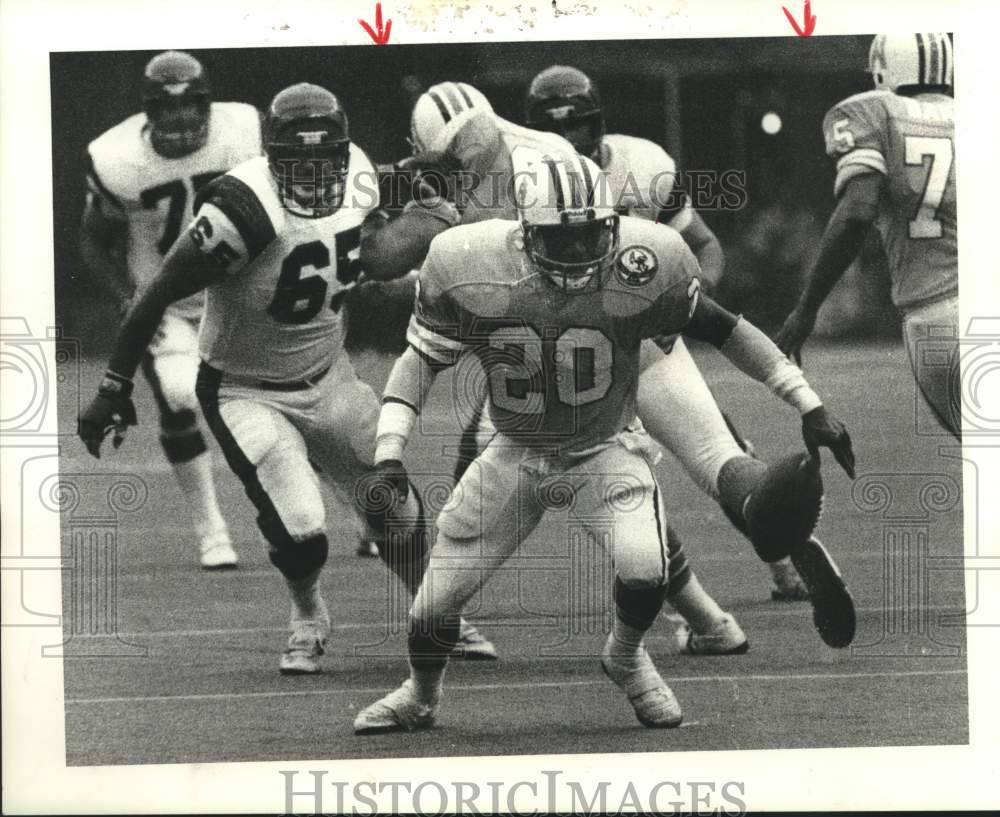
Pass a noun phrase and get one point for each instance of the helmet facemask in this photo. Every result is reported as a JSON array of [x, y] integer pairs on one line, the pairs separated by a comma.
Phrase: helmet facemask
[[576, 253], [585, 131], [310, 169], [178, 124]]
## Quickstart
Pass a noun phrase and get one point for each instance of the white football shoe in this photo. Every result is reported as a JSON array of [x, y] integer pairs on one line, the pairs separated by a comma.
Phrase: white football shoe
[[306, 644], [399, 711], [472, 645], [654, 702], [217, 552], [725, 638]]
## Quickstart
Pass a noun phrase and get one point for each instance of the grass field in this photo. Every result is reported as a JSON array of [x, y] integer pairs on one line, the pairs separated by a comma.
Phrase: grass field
[[208, 689]]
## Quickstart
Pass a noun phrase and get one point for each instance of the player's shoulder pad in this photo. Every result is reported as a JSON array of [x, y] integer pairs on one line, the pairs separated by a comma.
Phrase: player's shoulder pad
[[641, 155], [362, 182], [651, 256], [115, 158], [469, 257], [247, 198], [239, 123], [870, 107]]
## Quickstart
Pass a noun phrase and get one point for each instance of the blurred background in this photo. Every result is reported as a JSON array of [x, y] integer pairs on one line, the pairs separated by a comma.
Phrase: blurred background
[[751, 105]]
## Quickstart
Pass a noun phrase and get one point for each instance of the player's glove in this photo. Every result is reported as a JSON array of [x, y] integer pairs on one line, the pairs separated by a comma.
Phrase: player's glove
[[820, 428], [793, 333], [110, 410], [383, 491]]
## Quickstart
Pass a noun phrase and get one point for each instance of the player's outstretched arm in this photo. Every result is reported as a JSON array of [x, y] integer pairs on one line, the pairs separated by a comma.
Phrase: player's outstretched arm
[[841, 242], [401, 245], [753, 353], [185, 270]]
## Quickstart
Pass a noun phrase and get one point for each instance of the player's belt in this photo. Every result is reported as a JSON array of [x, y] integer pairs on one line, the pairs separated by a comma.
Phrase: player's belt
[[294, 385]]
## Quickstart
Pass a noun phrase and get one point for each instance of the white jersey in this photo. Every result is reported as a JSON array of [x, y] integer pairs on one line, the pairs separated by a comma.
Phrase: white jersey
[[644, 181], [276, 315], [154, 195]]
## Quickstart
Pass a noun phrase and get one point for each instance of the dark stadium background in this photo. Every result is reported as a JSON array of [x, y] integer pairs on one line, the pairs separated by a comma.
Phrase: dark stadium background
[[703, 100]]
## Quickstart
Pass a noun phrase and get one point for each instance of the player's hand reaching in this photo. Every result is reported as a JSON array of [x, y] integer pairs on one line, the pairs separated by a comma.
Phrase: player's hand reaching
[[384, 490], [110, 410], [820, 428], [793, 333]]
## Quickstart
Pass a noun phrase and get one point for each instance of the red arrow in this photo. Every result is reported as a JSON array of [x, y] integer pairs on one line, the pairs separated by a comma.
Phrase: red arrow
[[379, 35], [809, 21]]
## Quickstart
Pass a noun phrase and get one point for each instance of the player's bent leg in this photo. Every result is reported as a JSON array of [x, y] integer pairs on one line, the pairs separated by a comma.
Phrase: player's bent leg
[[171, 377], [269, 456], [940, 385]]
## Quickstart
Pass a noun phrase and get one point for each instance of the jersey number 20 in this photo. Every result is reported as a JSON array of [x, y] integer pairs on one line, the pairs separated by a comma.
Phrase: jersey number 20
[[582, 359]]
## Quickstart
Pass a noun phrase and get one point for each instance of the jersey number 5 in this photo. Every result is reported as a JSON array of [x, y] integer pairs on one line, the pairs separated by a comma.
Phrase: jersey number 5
[[925, 223]]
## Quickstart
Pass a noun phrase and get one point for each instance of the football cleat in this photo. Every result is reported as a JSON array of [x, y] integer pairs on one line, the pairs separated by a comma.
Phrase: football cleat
[[654, 702], [306, 644], [784, 507], [217, 552], [367, 549], [833, 608], [788, 584], [472, 645], [399, 711], [726, 638]]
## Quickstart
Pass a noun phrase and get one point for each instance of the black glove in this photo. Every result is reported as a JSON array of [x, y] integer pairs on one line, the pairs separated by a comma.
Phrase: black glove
[[384, 490], [111, 409], [820, 428]]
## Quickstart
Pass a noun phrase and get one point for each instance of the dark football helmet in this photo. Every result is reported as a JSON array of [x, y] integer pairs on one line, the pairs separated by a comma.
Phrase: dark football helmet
[[177, 100], [564, 100], [308, 149]]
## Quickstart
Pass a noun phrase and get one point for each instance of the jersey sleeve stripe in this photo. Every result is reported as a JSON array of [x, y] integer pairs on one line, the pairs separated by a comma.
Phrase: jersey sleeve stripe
[[869, 157], [848, 172], [243, 208], [99, 186], [427, 333]]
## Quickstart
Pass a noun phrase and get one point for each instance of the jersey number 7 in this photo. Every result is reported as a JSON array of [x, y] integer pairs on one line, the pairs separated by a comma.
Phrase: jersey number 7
[[939, 149]]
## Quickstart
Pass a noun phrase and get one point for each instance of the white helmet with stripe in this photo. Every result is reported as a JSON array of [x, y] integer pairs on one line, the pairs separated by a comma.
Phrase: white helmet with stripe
[[570, 229], [441, 112], [920, 60]]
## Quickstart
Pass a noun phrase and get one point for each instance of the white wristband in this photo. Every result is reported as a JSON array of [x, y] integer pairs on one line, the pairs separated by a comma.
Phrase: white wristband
[[395, 422]]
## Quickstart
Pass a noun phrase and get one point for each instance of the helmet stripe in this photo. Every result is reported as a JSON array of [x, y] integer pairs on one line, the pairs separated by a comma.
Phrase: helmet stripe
[[448, 88], [445, 114], [945, 47], [588, 184], [922, 58], [934, 75], [465, 94], [556, 183]]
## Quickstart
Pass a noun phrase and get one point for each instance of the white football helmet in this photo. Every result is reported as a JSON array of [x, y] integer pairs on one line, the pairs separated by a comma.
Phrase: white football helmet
[[897, 60], [441, 112], [570, 230]]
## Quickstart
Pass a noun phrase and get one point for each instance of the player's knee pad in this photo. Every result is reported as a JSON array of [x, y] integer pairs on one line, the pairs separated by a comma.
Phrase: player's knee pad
[[297, 559], [678, 569], [638, 604], [430, 640], [180, 436]]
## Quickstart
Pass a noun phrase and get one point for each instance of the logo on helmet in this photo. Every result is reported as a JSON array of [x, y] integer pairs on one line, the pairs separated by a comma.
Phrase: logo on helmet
[[636, 265]]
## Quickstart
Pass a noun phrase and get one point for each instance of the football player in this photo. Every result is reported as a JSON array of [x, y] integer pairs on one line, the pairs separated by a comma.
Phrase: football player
[[646, 184], [555, 308], [274, 244], [895, 154], [478, 152], [142, 178], [454, 127]]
